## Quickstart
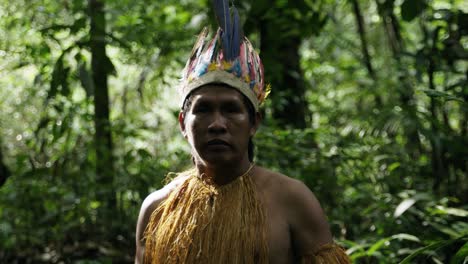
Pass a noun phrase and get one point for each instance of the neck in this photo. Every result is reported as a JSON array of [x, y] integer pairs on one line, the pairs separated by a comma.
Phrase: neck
[[221, 174]]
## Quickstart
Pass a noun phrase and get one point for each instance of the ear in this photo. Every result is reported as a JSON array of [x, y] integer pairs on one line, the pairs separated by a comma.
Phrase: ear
[[258, 120], [182, 124]]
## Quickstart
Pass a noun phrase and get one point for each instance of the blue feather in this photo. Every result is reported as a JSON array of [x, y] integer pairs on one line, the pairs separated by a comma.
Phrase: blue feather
[[221, 8], [236, 34]]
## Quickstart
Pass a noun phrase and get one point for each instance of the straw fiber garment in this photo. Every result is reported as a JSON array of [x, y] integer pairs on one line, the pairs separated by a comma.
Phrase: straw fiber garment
[[204, 223], [327, 254]]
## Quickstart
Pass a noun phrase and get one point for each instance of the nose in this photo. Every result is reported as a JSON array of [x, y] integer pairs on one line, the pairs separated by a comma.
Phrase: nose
[[217, 124]]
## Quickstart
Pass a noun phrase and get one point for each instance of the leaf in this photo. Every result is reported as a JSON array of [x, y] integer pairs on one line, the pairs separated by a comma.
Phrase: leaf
[[59, 78], [394, 166], [434, 246], [403, 206], [85, 79], [444, 95], [410, 9], [382, 241], [94, 204], [446, 230], [57, 74], [353, 246], [420, 251], [461, 256], [451, 211], [404, 236], [377, 245]]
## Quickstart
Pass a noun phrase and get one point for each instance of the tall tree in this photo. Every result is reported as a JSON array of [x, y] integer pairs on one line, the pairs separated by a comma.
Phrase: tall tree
[[406, 92], [101, 67], [282, 29], [364, 48], [437, 153]]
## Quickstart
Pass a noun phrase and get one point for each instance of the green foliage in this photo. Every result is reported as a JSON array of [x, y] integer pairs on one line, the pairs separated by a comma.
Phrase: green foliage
[[392, 177]]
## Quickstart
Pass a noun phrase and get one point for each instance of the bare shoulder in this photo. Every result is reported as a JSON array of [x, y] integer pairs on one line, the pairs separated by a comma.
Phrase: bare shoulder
[[156, 197], [151, 202], [287, 189], [307, 221], [271, 180]]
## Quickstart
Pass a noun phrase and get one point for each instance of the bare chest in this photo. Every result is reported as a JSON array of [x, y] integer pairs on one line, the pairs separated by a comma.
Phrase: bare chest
[[278, 233]]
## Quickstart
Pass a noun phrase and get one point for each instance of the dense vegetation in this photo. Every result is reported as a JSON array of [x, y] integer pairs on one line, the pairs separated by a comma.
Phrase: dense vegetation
[[369, 108]]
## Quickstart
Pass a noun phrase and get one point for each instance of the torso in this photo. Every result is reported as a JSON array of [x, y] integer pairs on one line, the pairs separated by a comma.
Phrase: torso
[[273, 191], [278, 228]]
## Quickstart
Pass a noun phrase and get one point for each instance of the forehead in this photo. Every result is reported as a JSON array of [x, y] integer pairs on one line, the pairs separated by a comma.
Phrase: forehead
[[217, 93]]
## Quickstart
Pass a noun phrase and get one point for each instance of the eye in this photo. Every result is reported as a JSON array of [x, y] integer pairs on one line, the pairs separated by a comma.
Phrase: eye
[[200, 109], [233, 108]]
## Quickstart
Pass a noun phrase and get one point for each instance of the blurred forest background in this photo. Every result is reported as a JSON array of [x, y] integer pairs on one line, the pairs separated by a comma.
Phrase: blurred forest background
[[369, 107]]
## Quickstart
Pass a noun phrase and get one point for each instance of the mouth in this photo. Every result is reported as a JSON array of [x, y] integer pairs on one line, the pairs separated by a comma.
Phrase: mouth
[[218, 142]]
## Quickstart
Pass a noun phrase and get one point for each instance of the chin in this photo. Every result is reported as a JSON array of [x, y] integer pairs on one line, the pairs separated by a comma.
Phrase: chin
[[219, 159]]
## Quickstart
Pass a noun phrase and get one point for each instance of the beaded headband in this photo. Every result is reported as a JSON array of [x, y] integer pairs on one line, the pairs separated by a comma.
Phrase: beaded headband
[[228, 58]]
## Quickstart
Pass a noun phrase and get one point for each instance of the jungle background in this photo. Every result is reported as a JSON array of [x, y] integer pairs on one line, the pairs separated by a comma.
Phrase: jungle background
[[369, 107]]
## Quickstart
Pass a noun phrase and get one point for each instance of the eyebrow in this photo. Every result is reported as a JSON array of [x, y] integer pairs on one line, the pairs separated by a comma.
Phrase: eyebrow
[[204, 100]]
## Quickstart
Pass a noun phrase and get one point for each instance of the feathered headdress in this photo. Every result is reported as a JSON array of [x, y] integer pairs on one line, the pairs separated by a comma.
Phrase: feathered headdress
[[227, 58]]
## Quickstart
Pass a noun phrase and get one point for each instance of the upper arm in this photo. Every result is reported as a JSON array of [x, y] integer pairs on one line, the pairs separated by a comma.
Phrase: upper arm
[[149, 205], [308, 223], [147, 208]]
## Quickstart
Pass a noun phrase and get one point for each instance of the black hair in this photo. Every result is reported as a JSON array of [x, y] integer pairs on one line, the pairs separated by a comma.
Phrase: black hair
[[250, 110]]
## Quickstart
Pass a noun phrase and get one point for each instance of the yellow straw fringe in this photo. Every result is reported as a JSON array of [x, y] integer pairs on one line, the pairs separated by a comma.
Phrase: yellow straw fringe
[[327, 254], [201, 223]]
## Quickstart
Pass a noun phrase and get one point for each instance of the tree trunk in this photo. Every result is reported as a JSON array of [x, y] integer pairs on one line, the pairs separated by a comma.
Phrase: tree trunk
[[436, 155], [365, 49], [462, 179], [282, 70], [4, 171], [407, 99], [100, 66], [464, 113]]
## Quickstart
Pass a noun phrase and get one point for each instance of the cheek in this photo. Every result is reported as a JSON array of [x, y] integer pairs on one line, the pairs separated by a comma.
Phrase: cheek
[[240, 120], [192, 129]]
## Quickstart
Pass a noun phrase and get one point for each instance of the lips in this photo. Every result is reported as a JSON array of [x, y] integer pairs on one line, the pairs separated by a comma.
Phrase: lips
[[218, 142]]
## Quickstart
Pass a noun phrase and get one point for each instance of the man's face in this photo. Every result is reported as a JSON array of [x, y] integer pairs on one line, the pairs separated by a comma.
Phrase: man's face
[[217, 125]]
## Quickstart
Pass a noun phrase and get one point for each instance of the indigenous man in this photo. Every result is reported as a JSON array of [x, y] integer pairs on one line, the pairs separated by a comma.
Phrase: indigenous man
[[227, 209]]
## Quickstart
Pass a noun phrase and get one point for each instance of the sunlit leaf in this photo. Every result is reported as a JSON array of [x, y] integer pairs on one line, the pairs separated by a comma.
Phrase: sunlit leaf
[[451, 211], [95, 204], [406, 237], [403, 206], [393, 166]]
